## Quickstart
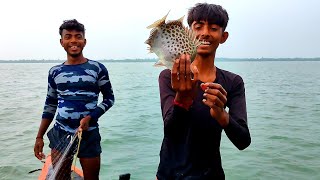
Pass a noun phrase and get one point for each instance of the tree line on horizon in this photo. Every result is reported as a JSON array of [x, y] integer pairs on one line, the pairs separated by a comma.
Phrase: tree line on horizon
[[155, 59]]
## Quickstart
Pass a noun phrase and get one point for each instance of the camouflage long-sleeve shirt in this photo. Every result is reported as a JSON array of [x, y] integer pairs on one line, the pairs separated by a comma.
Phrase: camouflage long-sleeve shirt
[[73, 92]]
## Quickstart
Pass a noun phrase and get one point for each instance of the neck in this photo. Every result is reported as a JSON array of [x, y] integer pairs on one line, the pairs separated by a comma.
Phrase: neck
[[206, 68], [75, 60]]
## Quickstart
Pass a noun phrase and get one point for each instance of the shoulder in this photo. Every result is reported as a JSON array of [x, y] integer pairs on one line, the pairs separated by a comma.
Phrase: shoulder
[[95, 65], [165, 74], [227, 75], [229, 79], [94, 62], [164, 77], [55, 69]]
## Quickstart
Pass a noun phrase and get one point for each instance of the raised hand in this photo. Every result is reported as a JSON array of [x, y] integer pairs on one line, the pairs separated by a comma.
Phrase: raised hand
[[183, 79], [215, 96]]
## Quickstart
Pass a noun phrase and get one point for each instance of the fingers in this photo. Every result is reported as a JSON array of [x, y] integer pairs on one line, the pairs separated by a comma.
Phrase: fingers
[[181, 74], [214, 96], [182, 66], [187, 74], [80, 129], [212, 101], [84, 124], [175, 75], [83, 127], [195, 73], [215, 86], [38, 149], [175, 67]]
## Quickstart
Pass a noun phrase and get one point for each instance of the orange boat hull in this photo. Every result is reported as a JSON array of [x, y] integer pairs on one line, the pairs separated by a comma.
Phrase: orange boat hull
[[47, 164]]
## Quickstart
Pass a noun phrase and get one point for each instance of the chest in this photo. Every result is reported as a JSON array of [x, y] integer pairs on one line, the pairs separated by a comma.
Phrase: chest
[[76, 80]]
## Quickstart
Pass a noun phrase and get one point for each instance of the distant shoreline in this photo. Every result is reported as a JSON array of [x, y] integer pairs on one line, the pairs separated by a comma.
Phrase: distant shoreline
[[154, 60]]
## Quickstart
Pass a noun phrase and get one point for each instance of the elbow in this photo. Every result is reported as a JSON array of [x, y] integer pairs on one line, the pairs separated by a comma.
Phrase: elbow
[[167, 128], [171, 128], [111, 100], [244, 143]]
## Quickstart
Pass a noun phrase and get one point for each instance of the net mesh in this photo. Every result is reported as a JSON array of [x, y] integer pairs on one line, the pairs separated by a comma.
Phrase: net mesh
[[63, 156]]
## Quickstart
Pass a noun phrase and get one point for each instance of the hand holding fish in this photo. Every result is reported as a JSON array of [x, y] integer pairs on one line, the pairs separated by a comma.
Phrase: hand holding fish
[[181, 79], [215, 96]]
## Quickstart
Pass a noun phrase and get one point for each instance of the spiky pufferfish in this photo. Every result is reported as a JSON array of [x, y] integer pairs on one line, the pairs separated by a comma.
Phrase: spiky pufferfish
[[169, 40]]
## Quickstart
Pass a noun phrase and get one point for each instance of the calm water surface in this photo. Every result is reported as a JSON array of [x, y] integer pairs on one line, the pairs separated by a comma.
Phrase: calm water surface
[[283, 100]]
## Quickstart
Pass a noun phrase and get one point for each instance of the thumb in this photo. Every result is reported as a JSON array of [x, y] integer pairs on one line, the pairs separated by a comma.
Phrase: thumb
[[80, 129], [195, 72]]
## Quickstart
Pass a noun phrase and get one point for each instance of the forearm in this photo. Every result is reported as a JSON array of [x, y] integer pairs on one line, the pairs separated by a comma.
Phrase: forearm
[[104, 106], [237, 129], [175, 117], [45, 123], [107, 92], [50, 106], [238, 133], [175, 120]]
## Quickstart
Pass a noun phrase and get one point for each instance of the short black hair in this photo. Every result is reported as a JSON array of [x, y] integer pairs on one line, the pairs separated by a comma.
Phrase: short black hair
[[72, 24], [214, 14]]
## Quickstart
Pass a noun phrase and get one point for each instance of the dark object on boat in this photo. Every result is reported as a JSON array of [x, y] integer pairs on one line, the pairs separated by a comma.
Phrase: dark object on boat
[[124, 176]]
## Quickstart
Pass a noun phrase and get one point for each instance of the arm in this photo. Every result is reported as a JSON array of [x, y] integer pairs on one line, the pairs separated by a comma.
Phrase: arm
[[177, 91], [107, 94], [174, 117], [237, 129], [107, 102], [47, 117], [38, 146]]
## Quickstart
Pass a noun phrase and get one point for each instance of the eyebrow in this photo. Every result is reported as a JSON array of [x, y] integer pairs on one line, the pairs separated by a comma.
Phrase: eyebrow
[[199, 22], [79, 34]]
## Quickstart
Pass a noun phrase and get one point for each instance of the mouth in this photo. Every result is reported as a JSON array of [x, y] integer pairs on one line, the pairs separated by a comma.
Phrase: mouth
[[205, 43], [73, 48]]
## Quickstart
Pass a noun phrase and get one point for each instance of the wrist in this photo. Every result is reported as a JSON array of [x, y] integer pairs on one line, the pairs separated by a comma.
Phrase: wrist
[[184, 104], [224, 119], [88, 118], [39, 137]]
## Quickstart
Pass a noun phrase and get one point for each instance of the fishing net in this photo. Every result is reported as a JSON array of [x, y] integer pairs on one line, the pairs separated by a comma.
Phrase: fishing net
[[62, 158]]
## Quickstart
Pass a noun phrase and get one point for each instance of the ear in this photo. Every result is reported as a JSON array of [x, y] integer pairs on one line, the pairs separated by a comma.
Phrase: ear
[[225, 36], [85, 41], [61, 42]]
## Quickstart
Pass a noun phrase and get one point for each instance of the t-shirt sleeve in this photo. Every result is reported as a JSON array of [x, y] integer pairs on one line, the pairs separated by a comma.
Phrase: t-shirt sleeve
[[237, 129], [106, 91], [51, 102], [175, 118]]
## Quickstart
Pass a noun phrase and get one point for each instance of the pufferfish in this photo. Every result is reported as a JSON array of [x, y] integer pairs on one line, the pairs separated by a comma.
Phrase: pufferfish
[[169, 40]]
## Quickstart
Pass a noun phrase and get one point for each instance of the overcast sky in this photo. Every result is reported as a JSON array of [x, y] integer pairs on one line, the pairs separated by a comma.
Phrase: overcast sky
[[117, 29]]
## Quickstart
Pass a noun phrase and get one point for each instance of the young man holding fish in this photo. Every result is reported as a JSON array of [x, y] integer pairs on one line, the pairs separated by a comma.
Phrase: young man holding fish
[[193, 101], [73, 90]]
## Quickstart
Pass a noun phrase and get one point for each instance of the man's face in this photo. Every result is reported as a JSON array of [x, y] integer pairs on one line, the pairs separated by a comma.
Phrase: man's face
[[210, 34], [73, 42]]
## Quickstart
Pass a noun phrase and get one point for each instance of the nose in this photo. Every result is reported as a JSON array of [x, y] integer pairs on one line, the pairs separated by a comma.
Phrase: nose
[[205, 32], [73, 39]]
